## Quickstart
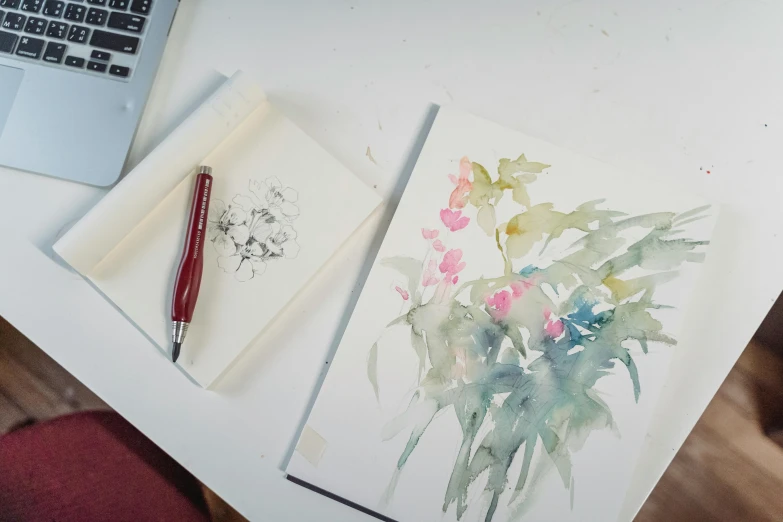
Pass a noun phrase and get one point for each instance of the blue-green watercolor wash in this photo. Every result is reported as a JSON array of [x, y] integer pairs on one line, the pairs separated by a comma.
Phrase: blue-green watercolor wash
[[509, 368]]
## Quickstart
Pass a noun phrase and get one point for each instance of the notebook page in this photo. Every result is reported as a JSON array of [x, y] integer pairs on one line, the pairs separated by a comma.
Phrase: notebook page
[[143, 189]]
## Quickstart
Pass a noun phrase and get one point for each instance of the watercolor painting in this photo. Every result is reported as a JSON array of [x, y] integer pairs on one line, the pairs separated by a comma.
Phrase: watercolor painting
[[255, 228], [516, 354]]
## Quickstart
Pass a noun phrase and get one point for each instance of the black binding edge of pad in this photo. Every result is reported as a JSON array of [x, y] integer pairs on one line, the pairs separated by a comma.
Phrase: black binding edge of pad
[[339, 499]]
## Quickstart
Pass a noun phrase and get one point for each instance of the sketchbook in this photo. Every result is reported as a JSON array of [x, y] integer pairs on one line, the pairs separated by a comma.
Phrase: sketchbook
[[512, 337], [281, 207]]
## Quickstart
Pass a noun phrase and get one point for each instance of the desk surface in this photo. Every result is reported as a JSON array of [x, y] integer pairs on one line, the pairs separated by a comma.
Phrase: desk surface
[[687, 91]]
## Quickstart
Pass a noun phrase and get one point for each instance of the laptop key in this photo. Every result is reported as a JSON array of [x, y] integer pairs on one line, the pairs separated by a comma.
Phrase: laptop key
[[75, 12], [119, 4], [97, 2], [32, 6], [57, 30], [73, 61], [127, 22], [118, 70], [55, 52], [30, 47], [101, 56], [10, 4], [7, 42], [141, 6], [14, 21], [114, 42], [78, 34], [35, 25], [97, 16], [54, 8], [96, 66]]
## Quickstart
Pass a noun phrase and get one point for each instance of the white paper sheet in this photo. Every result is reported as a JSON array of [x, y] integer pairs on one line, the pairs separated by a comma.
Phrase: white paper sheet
[[438, 332], [281, 206]]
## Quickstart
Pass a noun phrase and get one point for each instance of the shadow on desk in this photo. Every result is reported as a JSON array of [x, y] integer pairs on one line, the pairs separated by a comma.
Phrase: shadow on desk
[[730, 467]]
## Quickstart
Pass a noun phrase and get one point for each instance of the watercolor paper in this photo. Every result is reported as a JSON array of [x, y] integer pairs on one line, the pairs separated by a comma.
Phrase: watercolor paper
[[512, 337], [281, 207]]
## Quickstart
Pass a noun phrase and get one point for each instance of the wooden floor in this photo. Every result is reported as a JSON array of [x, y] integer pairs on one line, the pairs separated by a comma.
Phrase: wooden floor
[[728, 470]]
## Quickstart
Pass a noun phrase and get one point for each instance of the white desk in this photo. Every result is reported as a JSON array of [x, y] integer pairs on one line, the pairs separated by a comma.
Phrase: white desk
[[678, 90]]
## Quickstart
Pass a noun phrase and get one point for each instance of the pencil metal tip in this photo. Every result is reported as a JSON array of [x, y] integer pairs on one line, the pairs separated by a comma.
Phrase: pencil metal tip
[[175, 351]]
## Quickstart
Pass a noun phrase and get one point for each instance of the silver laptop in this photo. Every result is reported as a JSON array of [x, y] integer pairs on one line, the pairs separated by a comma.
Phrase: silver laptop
[[74, 79]]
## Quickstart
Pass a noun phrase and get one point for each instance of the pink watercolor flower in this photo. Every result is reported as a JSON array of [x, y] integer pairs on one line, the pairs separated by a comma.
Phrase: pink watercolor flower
[[555, 329], [405, 295], [499, 304], [439, 246], [430, 274], [454, 220], [460, 194], [518, 288], [451, 264], [429, 234], [465, 167]]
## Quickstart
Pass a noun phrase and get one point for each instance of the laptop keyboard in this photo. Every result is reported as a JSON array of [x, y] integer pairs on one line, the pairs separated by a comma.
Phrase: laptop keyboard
[[98, 37]]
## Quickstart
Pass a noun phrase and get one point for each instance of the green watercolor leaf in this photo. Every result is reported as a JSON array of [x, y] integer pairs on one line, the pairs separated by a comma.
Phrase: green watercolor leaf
[[513, 333], [580, 219], [478, 291], [486, 219], [519, 244], [529, 227], [403, 319], [509, 167], [690, 215], [372, 370], [420, 347], [408, 267], [623, 289], [480, 174], [520, 195]]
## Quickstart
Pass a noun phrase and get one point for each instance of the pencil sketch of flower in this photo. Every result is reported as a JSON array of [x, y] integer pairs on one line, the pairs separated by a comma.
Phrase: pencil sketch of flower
[[227, 228], [246, 263], [282, 242], [255, 228], [277, 196], [514, 356]]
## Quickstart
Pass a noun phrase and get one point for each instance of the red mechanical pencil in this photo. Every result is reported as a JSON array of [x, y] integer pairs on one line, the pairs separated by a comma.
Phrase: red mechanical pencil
[[192, 263]]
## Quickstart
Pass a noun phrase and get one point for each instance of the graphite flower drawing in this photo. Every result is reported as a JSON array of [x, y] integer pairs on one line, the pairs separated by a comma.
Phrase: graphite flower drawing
[[254, 228]]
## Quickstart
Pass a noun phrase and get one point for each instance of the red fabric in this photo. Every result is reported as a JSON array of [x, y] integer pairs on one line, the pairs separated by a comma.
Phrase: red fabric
[[92, 466]]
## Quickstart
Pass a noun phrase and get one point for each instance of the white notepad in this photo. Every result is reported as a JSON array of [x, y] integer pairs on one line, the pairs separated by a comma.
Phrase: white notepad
[[281, 206]]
